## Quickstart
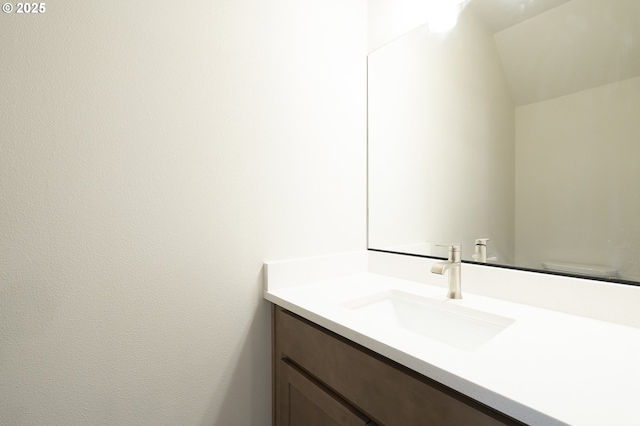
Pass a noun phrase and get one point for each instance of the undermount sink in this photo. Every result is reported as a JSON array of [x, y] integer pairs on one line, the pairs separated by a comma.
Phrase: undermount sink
[[440, 320]]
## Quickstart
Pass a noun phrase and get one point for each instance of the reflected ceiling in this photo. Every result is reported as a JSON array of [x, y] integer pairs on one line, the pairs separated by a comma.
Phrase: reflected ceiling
[[502, 14], [563, 47]]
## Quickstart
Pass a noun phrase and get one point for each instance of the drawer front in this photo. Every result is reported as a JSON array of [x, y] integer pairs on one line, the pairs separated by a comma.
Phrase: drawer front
[[382, 389]]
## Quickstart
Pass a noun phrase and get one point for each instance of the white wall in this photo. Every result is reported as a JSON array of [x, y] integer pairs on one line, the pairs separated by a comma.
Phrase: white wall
[[577, 179], [390, 19], [441, 124], [152, 157]]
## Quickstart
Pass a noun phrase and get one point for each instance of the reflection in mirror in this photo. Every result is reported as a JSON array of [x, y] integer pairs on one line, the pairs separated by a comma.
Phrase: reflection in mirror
[[521, 125]]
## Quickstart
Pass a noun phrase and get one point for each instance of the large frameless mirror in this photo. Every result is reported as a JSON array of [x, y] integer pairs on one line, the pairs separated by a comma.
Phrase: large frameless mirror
[[515, 133]]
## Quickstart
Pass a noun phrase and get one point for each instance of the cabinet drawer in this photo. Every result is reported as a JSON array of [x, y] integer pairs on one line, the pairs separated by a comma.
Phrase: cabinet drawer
[[383, 390]]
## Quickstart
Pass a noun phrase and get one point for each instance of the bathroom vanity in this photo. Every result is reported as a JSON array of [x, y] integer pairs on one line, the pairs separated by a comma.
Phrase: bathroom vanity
[[353, 344], [321, 378]]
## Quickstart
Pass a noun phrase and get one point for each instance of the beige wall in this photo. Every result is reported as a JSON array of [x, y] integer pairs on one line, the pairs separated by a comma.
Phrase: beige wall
[[441, 124], [152, 156], [577, 179]]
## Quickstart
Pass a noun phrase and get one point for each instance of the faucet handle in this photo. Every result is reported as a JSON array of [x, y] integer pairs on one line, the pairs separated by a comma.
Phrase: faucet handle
[[454, 247], [454, 251]]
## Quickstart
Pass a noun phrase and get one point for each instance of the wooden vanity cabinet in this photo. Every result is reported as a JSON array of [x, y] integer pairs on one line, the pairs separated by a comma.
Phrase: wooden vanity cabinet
[[321, 378]]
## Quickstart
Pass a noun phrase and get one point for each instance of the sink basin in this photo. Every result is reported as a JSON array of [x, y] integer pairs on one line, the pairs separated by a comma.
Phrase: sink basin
[[440, 320]]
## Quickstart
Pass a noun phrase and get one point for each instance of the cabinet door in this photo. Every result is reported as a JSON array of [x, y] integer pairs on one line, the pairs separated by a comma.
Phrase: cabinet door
[[359, 379], [305, 402]]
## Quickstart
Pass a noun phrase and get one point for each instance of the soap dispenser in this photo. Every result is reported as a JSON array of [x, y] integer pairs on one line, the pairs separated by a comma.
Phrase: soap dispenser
[[480, 254]]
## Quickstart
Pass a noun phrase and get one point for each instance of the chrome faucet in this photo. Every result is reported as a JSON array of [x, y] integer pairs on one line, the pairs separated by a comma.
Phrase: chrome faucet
[[453, 265]]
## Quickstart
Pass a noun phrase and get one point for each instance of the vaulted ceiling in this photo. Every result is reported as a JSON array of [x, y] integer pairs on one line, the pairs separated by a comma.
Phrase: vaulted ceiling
[[551, 48]]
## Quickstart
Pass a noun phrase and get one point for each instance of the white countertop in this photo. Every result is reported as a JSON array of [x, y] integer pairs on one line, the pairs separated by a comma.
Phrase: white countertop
[[547, 367]]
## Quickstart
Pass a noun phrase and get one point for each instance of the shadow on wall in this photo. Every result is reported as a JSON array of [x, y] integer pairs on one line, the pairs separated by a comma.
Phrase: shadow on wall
[[247, 376]]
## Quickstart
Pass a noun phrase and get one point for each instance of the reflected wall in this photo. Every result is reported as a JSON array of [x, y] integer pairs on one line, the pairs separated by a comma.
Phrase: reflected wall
[[441, 124]]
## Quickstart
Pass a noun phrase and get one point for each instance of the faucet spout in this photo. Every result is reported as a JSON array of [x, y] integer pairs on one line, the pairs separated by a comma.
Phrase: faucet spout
[[453, 265], [441, 267]]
